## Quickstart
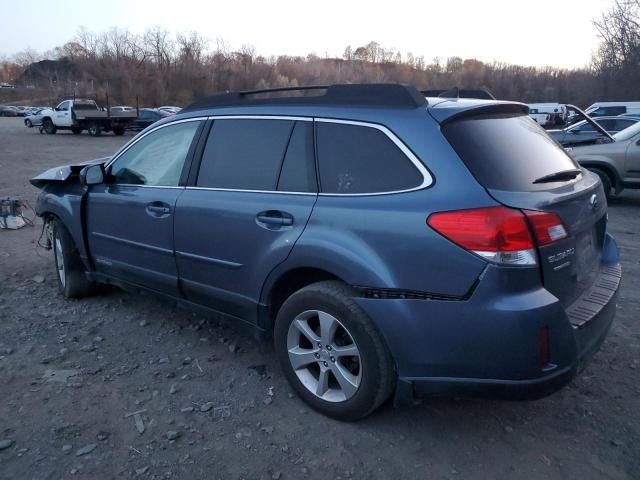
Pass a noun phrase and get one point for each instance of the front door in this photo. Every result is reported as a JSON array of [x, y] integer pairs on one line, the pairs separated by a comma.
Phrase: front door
[[255, 190], [130, 217], [62, 114]]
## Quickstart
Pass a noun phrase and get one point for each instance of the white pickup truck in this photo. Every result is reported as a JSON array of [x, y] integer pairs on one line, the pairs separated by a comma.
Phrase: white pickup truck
[[80, 114]]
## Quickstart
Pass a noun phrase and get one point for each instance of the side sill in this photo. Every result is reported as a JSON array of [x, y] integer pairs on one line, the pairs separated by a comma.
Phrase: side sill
[[240, 324]]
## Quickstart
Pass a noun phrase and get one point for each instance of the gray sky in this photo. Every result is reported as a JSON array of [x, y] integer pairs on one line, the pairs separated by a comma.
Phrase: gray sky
[[533, 32]]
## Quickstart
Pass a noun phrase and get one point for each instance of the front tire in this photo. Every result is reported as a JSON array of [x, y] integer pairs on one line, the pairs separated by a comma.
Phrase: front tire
[[48, 126], [331, 352], [118, 131], [28, 123], [70, 271]]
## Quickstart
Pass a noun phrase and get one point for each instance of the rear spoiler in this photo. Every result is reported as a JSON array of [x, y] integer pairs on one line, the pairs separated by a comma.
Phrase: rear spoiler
[[504, 108]]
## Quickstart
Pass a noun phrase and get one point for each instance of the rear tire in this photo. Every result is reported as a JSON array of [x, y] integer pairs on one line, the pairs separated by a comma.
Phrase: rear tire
[[605, 178], [70, 271], [331, 352], [118, 131], [48, 126], [95, 130]]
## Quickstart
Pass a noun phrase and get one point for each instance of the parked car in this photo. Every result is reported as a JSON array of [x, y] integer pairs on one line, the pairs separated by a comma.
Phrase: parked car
[[584, 132], [33, 119], [16, 110], [617, 162], [601, 109], [148, 116], [170, 109], [6, 111], [383, 242]]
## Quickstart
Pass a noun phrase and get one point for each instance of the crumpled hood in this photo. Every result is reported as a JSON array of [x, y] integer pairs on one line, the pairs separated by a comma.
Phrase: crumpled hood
[[64, 173]]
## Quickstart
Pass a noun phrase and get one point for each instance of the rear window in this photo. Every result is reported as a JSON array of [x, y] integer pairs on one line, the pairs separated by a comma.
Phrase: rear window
[[507, 152]]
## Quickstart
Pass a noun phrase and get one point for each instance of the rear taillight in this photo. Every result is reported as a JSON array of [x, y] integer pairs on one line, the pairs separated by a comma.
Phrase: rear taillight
[[499, 234], [546, 226]]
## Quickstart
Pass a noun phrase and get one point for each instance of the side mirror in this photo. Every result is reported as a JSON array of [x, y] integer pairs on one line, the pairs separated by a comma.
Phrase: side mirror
[[92, 175]]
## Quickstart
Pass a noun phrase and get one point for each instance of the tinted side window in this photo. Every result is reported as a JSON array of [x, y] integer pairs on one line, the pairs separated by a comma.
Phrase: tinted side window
[[613, 111], [244, 154], [156, 159], [585, 127], [298, 172], [608, 124], [621, 124], [359, 159]]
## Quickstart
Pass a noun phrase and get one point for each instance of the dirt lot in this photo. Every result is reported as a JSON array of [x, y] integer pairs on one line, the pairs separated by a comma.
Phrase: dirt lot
[[73, 372]]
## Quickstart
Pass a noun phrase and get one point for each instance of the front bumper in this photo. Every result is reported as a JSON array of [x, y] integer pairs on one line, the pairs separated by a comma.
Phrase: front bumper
[[488, 346]]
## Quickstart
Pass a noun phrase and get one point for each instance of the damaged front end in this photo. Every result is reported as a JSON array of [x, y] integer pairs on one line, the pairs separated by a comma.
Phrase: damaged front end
[[65, 173], [61, 197]]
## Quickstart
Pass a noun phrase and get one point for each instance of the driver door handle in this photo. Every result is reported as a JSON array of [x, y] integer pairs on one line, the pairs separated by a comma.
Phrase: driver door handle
[[158, 209]]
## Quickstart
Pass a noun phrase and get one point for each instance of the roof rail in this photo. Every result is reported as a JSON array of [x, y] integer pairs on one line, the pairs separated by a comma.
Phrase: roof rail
[[455, 92], [388, 95]]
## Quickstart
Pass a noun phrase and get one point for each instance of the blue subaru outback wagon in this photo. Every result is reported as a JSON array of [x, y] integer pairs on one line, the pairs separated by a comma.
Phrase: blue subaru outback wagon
[[387, 242]]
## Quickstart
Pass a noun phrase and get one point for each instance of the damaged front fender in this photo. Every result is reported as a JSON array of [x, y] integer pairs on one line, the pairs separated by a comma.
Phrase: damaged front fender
[[65, 173]]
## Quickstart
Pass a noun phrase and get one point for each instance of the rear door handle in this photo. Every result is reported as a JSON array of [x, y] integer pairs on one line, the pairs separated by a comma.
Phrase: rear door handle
[[275, 217]]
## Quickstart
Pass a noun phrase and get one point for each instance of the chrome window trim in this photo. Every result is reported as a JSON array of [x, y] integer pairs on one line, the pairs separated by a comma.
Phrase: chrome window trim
[[427, 179], [260, 117], [136, 139], [241, 190]]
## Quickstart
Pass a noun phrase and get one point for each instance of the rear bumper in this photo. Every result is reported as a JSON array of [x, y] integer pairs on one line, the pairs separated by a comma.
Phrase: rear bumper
[[488, 346]]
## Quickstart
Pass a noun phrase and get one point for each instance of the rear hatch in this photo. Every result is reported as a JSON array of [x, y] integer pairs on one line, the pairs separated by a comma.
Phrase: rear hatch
[[523, 168]]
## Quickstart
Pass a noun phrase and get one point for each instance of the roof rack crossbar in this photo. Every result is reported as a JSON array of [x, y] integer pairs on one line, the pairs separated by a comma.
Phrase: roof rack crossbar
[[389, 95]]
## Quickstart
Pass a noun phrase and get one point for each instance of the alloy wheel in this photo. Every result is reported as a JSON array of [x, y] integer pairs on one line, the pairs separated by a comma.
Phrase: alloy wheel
[[324, 356], [60, 261]]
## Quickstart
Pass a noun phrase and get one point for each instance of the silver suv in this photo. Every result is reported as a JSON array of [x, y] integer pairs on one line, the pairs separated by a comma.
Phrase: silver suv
[[617, 163]]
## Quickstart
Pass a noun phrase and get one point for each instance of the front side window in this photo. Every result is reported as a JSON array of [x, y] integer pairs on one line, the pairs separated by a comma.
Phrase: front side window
[[158, 158], [244, 154], [63, 106], [357, 159]]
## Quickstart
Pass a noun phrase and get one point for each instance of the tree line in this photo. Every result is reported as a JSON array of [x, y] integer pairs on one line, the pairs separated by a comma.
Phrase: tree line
[[160, 68]]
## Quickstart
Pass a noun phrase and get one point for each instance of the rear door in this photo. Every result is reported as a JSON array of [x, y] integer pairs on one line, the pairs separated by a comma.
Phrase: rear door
[[521, 167], [244, 210], [130, 218]]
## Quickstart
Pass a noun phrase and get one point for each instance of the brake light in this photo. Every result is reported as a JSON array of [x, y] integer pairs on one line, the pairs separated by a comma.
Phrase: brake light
[[546, 226], [498, 234]]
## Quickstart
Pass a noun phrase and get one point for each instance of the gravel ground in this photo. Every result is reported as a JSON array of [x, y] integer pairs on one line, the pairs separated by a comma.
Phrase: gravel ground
[[124, 386]]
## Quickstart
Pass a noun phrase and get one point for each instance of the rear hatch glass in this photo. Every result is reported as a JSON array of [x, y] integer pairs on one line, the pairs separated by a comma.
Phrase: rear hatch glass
[[507, 152], [522, 167]]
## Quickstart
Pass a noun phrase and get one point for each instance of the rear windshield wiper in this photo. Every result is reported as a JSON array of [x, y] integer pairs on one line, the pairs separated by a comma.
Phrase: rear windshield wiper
[[559, 176]]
